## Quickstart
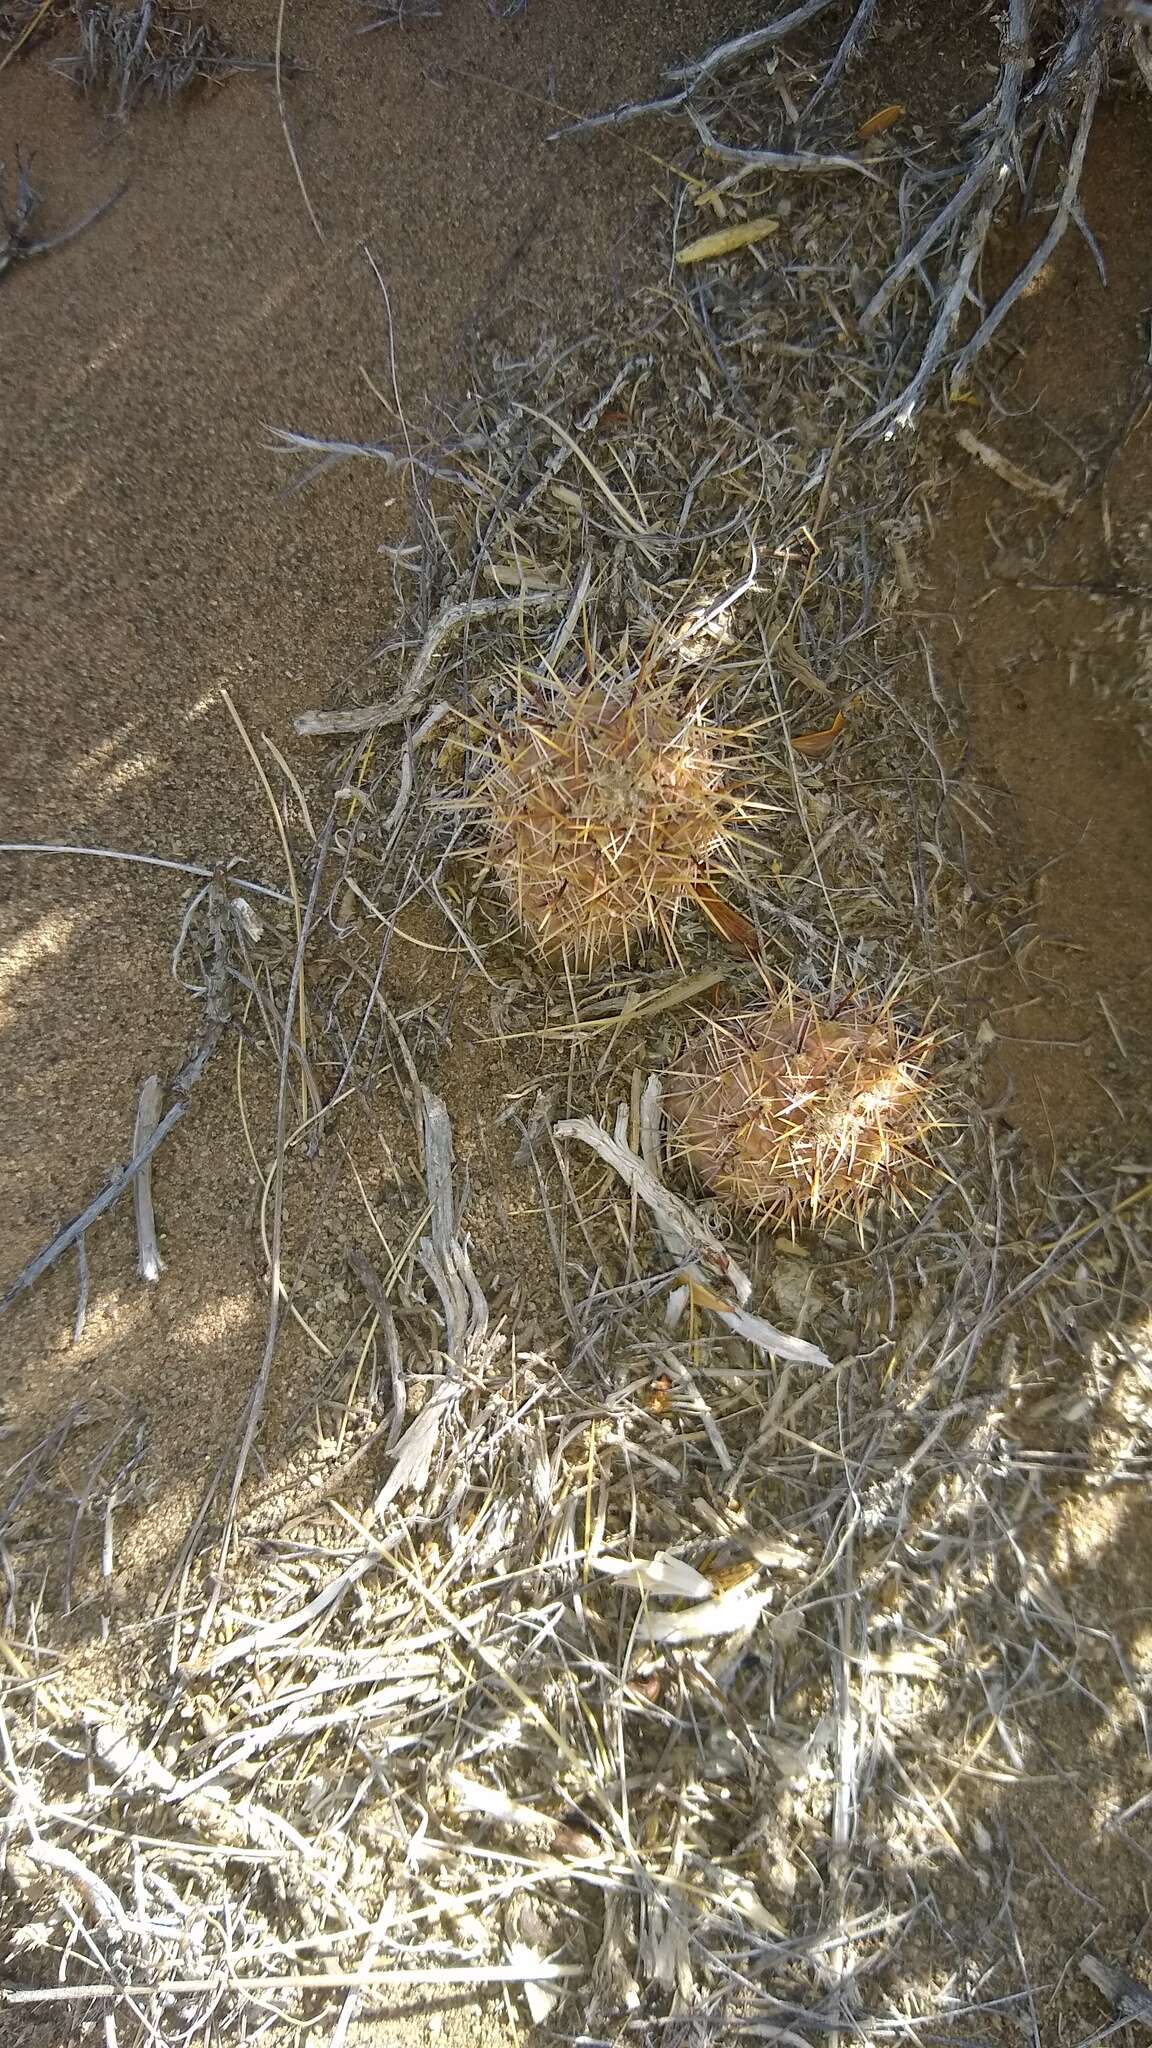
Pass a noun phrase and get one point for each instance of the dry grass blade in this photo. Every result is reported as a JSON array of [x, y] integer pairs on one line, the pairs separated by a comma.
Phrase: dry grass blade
[[301, 1983], [255, 1405], [147, 1118], [278, 65], [152, 860]]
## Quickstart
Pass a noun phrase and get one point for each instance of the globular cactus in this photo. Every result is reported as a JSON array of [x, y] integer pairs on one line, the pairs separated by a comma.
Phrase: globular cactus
[[609, 807], [801, 1117]]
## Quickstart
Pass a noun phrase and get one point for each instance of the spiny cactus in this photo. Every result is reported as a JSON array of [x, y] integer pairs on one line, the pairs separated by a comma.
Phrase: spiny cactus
[[608, 808], [802, 1117]]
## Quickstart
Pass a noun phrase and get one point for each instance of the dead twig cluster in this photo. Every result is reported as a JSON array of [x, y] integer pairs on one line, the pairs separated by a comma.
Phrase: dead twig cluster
[[148, 51], [1019, 156], [20, 242]]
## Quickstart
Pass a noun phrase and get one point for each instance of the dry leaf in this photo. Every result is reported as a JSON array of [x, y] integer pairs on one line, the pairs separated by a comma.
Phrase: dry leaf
[[512, 576], [731, 1613], [920, 1661], [745, 1901], [649, 1688], [416, 1449], [725, 1576], [814, 745], [878, 124], [755, 1331], [539, 1999], [724, 241], [476, 1797], [731, 924], [669, 1578]]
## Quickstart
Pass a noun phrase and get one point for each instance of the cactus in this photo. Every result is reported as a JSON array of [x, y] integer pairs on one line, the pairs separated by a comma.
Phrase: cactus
[[608, 808], [799, 1116]]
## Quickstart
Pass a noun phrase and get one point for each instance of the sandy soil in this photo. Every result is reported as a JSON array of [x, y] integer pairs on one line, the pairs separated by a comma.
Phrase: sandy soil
[[1039, 632], [1042, 637], [151, 558]]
